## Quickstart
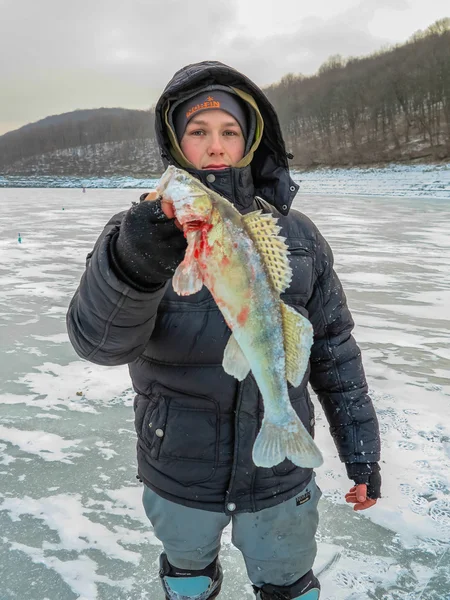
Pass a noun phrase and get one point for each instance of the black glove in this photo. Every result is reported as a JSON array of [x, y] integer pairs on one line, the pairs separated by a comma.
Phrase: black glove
[[148, 247], [368, 473]]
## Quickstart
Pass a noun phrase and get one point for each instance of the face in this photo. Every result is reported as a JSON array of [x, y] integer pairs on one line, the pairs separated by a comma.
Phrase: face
[[213, 140]]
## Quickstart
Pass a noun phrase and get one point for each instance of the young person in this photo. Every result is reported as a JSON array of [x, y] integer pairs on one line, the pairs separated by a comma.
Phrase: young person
[[196, 425]]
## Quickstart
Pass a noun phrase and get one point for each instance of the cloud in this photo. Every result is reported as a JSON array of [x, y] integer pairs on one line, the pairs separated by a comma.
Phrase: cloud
[[313, 41], [57, 56], [106, 34]]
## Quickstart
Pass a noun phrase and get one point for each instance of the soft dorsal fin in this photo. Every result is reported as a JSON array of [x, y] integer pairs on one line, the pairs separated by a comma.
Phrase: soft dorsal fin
[[298, 337], [263, 229]]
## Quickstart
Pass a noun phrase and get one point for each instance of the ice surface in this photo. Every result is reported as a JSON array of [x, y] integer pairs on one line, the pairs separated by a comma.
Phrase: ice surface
[[71, 520], [421, 181]]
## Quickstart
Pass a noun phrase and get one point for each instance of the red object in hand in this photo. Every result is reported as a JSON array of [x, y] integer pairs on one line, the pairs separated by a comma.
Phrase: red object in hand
[[358, 496]]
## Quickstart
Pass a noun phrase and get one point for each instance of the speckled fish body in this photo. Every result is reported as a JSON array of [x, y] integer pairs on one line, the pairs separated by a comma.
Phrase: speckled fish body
[[243, 263]]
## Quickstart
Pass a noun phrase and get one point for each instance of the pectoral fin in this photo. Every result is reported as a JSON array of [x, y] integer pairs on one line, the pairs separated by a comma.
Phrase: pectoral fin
[[187, 278], [298, 338], [234, 361]]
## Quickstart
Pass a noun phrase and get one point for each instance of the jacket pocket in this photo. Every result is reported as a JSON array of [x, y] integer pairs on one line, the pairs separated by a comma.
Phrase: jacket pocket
[[301, 260], [154, 425], [182, 434], [192, 438]]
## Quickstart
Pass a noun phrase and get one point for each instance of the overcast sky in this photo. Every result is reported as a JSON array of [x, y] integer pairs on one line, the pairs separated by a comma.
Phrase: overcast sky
[[58, 55]]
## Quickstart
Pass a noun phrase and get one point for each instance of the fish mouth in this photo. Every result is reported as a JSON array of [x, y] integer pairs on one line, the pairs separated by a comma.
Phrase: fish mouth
[[193, 225]]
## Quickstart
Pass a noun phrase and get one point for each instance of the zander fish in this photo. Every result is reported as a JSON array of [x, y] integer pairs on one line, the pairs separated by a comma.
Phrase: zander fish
[[245, 266]]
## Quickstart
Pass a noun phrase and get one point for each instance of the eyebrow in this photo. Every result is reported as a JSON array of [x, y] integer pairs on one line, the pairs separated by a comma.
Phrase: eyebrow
[[201, 122]]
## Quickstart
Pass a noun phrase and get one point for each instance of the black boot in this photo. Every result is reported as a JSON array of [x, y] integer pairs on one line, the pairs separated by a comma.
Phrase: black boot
[[306, 588], [185, 584]]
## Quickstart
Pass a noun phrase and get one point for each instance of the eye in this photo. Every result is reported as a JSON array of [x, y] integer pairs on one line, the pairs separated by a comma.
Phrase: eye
[[197, 132], [230, 132]]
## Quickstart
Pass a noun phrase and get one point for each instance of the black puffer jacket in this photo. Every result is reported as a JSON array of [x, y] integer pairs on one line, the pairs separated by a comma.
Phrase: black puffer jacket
[[196, 425]]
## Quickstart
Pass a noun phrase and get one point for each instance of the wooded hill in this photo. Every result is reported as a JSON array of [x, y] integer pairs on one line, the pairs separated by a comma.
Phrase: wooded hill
[[391, 106], [97, 142]]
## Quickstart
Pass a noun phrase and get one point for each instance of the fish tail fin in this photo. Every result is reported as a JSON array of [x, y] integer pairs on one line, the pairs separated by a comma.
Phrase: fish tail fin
[[275, 442]]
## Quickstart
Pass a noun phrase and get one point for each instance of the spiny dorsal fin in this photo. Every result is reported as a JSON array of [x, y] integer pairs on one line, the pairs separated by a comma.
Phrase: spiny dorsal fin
[[298, 337], [263, 229]]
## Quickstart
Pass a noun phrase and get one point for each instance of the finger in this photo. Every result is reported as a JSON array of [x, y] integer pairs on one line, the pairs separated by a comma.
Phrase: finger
[[351, 492], [361, 492], [351, 498], [357, 493], [364, 505], [151, 195], [167, 208]]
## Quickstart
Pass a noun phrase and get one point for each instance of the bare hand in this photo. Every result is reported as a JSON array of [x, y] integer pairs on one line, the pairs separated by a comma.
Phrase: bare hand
[[358, 496]]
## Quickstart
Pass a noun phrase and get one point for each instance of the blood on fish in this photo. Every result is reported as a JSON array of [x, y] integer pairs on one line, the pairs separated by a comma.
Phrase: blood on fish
[[204, 245], [242, 316]]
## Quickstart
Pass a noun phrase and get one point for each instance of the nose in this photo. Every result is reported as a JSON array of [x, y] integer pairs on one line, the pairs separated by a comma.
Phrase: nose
[[215, 147]]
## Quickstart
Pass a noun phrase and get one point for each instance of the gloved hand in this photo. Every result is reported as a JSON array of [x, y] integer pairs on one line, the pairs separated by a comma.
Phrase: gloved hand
[[368, 484], [148, 247]]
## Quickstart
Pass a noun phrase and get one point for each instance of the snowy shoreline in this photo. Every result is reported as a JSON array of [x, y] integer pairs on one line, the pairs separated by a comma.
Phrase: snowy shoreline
[[395, 180]]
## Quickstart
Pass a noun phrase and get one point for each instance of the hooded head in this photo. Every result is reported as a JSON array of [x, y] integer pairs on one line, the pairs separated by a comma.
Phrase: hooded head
[[263, 169]]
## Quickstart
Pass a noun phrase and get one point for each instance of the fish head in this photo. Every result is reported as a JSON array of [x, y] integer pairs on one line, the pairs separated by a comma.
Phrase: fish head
[[190, 199]]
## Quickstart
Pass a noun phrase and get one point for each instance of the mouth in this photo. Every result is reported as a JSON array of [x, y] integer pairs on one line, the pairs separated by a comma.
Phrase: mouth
[[216, 167], [195, 225]]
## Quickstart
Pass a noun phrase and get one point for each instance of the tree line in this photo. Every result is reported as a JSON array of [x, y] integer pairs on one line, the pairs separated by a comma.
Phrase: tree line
[[82, 131], [393, 105]]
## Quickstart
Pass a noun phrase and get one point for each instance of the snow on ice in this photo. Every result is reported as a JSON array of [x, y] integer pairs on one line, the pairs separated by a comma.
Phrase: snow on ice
[[72, 525]]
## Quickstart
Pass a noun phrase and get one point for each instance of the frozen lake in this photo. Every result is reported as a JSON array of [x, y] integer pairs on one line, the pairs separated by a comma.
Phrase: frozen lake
[[71, 522]]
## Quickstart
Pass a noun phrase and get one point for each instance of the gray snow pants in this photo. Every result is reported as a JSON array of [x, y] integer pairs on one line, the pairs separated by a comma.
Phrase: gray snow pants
[[278, 543]]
